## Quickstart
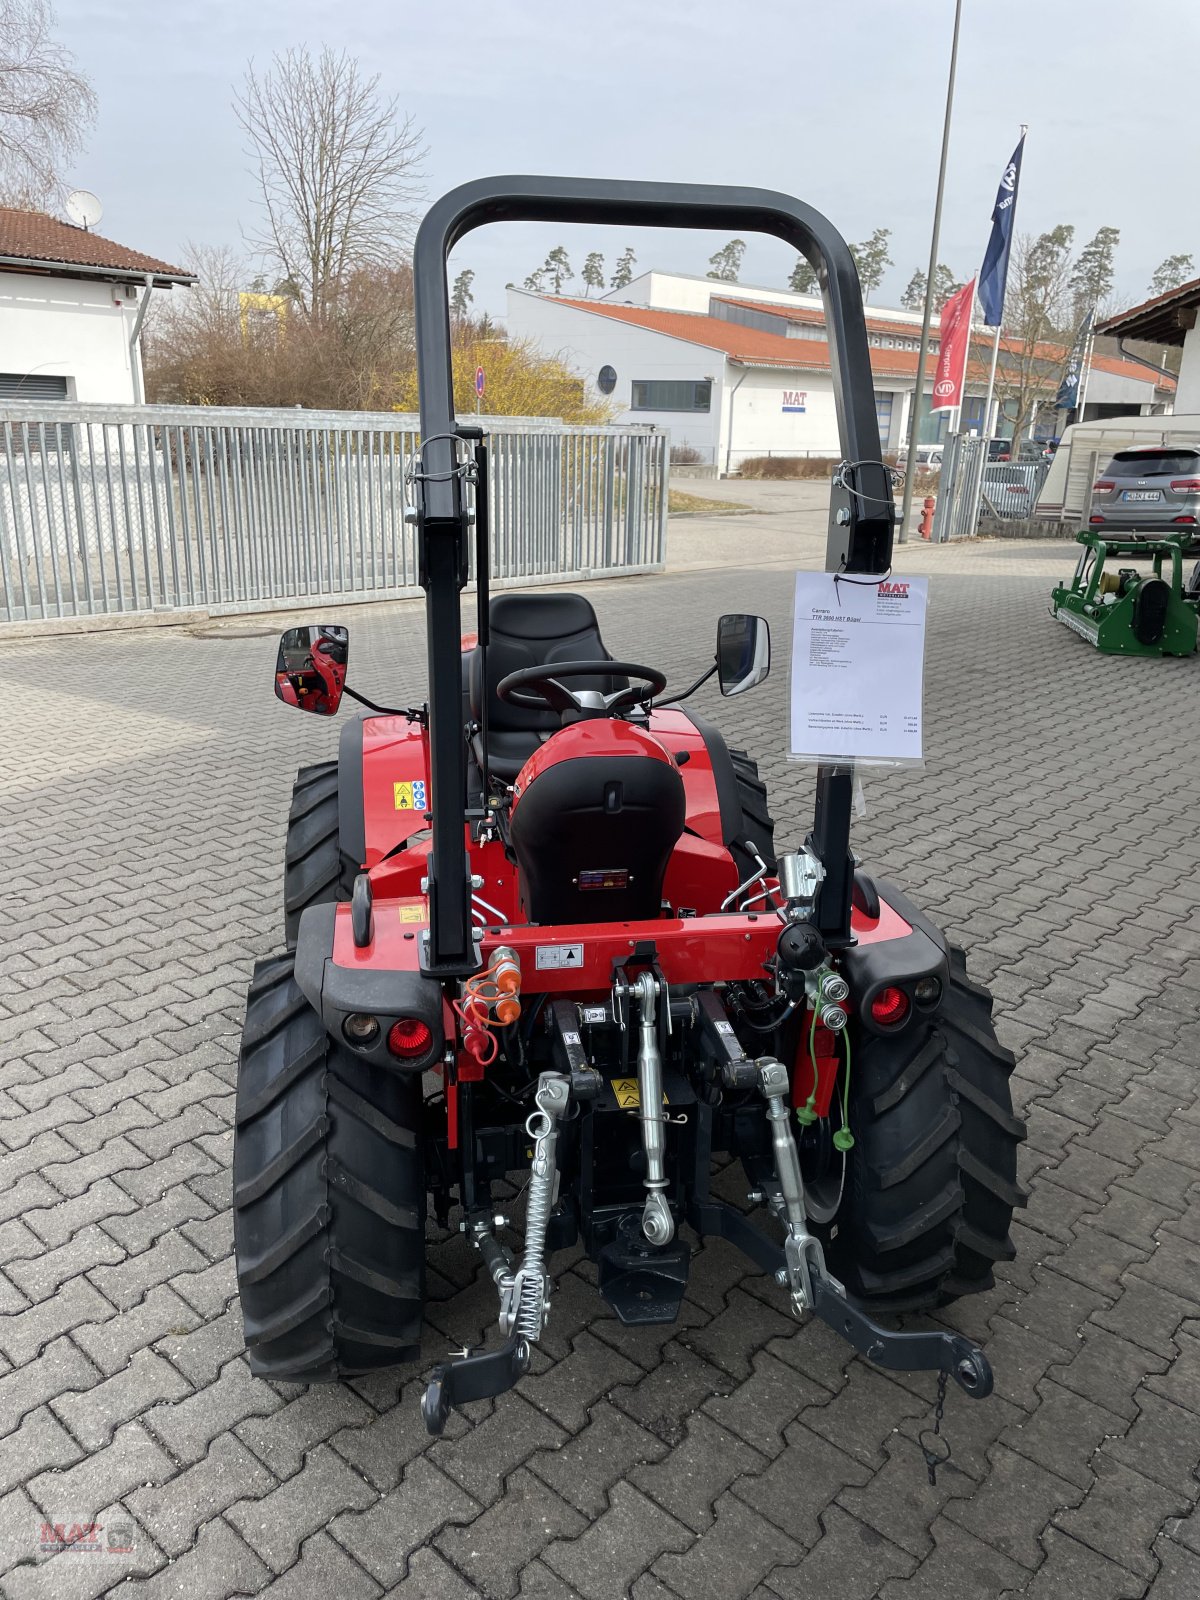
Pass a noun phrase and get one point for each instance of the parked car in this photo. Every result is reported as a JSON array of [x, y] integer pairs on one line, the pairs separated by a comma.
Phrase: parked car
[[929, 457], [1153, 490], [999, 449]]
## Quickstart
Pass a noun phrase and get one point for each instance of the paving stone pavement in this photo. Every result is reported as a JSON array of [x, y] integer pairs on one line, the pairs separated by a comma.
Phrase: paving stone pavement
[[1053, 832]]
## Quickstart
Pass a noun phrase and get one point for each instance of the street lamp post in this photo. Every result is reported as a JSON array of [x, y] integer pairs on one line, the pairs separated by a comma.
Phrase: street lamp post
[[914, 432]]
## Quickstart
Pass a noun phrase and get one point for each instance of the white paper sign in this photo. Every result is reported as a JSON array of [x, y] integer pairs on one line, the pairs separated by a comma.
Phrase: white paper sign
[[858, 666]]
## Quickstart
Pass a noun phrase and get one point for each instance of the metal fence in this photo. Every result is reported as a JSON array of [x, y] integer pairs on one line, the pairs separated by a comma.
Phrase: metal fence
[[970, 486], [131, 510]]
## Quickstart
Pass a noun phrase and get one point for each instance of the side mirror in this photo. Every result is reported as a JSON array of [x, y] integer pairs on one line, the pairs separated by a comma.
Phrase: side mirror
[[743, 652], [310, 671]]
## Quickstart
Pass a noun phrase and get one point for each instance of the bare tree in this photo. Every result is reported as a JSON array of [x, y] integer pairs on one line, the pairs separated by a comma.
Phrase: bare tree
[[1037, 316], [338, 172], [46, 105]]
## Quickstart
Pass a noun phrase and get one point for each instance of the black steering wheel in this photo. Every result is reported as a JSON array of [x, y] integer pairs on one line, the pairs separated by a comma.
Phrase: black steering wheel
[[542, 689]]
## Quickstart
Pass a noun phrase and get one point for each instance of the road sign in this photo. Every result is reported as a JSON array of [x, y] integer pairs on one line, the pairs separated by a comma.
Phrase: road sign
[[479, 382]]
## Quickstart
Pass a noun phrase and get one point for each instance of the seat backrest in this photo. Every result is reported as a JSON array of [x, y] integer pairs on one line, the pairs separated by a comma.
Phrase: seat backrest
[[533, 630]]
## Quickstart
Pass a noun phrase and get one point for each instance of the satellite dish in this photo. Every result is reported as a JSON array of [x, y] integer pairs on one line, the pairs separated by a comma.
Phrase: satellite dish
[[83, 208]]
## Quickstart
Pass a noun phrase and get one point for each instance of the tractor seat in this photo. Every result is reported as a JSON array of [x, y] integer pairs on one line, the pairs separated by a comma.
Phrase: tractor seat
[[531, 630]]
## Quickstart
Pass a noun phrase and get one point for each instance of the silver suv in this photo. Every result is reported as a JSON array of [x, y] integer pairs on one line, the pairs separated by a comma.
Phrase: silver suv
[[1149, 491]]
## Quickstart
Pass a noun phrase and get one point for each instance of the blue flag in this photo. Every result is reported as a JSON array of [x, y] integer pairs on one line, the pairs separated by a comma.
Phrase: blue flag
[[1067, 397], [993, 275]]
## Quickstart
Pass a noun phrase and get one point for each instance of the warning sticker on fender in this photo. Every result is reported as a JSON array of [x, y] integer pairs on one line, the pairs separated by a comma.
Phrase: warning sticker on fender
[[554, 957]]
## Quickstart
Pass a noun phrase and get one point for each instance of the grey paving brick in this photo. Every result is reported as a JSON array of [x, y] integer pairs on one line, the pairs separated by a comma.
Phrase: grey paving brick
[[1121, 1516], [111, 1343], [1016, 1501], [1181, 1381], [1070, 1569], [1179, 1574], [697, 1472], [430, 1577], [188, 1427], [147, 1223], [615, 1549], [60, 1367], [663, 1399], [24, 1334], [282, 1439], [39, 1277], [759, 1409], [94, 1416], [956, 1553], [798, 1484], [1146, 1314], [40, 1442], [78, 1575], [1107, 1370], [56, 1224], [1162, 1444], [127, 1283], [132, 1460], [217, 1565], [174, 1511], [850, 1560], [605, 1451], [572, 1385], [276, 1525], [382, 1538], [734, 1554], [482, 1459], [324, 1569], [494, 1549]]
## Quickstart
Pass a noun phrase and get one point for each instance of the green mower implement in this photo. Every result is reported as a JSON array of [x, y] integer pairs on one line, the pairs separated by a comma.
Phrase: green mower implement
[[1130, 612]]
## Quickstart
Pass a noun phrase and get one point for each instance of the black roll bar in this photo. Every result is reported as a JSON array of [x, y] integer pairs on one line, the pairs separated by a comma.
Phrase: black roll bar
[[862, 511]]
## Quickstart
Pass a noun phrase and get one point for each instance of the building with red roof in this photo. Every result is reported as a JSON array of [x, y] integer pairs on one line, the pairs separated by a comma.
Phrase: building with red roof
[[735, 371], [71, 309]]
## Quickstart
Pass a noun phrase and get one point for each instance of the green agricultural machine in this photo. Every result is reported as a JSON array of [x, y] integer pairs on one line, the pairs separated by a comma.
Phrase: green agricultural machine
[[1132, 611]]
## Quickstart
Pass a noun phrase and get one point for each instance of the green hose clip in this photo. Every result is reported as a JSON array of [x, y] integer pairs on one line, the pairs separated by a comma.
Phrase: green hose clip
[[807, 1113], [843, 1139]]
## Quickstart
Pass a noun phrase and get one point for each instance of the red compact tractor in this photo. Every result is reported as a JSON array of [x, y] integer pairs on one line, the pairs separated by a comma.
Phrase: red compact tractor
[[542, 925]]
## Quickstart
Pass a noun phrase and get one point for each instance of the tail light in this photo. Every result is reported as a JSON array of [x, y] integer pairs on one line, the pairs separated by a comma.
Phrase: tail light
[[1101, 485], [409, 1038], [1188, 522], [890, 1006], [1094, 520], [1185, 485]]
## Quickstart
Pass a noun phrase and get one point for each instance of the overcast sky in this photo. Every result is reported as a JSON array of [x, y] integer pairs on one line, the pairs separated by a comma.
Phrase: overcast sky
[[840, 104]]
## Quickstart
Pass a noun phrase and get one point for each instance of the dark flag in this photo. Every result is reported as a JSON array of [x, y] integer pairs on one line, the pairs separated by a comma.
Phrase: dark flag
[[1067, 397], [993, 275]]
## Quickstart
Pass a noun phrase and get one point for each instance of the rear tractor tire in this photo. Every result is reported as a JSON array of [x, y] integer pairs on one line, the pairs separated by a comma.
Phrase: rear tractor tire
[[757, 826], [328, 1195], [931, 1180], [316, 870]]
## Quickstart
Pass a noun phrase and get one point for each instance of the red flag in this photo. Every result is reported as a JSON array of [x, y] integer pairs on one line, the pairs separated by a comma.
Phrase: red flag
[[951, 371]]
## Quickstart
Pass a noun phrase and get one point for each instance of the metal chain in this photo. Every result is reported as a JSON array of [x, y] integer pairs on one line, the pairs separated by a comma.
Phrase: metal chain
[[933, 1458]]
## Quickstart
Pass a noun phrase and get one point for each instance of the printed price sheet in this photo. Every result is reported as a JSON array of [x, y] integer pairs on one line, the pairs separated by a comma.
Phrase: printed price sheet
[[858, 666]]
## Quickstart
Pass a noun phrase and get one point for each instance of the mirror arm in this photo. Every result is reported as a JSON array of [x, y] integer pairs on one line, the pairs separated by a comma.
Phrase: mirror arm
[[690, 690], [414, 714]]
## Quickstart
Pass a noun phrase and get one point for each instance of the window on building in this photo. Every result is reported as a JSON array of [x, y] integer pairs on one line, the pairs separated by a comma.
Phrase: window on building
[[662, 394], [883, 410]]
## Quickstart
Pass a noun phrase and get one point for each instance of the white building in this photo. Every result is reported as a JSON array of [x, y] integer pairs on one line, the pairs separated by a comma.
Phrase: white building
[[1169, 319], [734, 371], [71, 306]]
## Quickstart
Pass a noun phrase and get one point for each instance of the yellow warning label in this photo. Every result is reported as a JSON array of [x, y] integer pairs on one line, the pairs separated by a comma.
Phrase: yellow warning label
[[628, 1094], [409, 796], [412, 914]]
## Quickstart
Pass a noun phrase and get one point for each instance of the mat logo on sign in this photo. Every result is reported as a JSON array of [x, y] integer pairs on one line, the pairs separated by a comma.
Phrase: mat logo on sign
[[795, 399], [894, 591]]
